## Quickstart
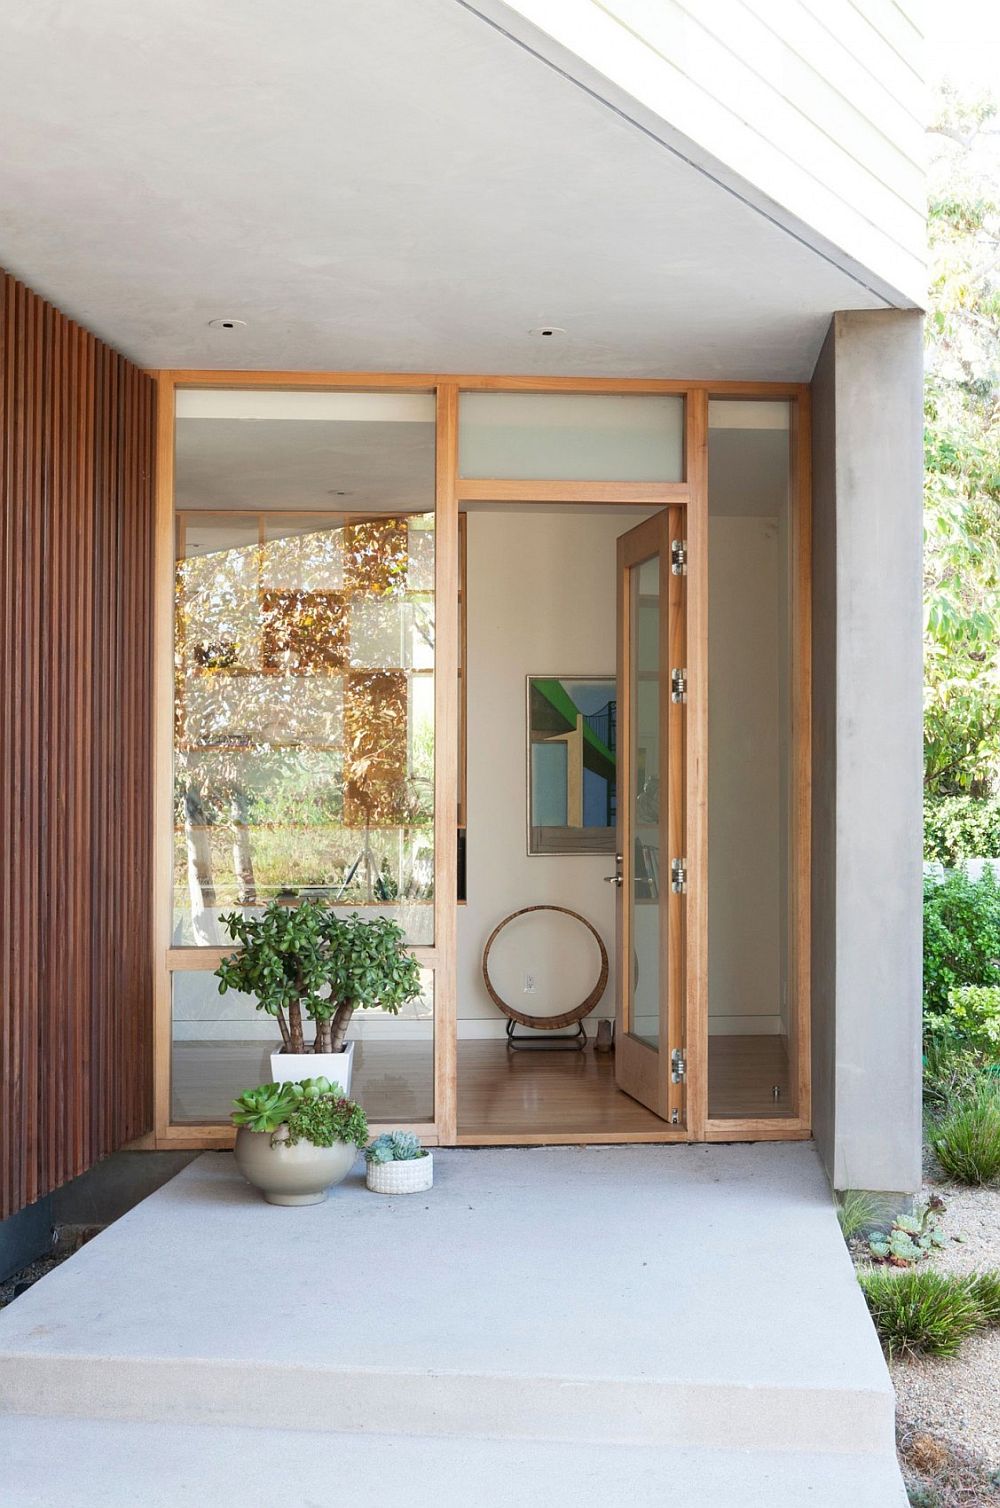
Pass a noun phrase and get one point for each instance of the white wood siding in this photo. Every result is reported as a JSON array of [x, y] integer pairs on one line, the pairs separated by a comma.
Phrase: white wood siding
[[815, 106]]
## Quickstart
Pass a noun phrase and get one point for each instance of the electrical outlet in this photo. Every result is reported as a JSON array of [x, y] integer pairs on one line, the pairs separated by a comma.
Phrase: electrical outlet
[[529, 984]]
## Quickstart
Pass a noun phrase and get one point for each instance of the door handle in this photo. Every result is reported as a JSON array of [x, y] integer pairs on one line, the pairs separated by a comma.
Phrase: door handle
[[616, 878]]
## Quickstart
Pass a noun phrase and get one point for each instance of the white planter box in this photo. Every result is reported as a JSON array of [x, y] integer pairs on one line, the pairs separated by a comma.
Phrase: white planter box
[[292, 1067], [410, 1177]]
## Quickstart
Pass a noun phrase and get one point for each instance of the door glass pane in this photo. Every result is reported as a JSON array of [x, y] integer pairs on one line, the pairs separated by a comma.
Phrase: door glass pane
[[750, 1001], [644, 795], [303, 655], [590, 436]]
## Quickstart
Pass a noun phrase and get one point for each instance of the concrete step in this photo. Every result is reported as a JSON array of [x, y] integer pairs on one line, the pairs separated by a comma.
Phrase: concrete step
[[682, 1297], [50, 1463]]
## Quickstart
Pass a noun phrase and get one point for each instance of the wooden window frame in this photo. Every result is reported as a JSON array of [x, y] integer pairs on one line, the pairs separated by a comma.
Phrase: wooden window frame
[[452, 491]]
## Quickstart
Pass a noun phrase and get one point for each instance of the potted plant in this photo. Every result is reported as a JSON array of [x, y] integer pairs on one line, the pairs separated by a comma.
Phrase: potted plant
[[296, 1140], [303, 963], [398, 1164]]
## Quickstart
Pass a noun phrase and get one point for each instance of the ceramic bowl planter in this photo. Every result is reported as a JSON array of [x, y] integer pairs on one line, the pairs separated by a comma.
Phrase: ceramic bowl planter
[[291, 1172], [412, 1177], [398, 1164], [296, 1140], [293, 1067]]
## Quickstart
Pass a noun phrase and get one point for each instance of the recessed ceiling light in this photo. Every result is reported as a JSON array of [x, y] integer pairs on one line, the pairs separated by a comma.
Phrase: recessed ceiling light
[[547, 330], [227, 324]]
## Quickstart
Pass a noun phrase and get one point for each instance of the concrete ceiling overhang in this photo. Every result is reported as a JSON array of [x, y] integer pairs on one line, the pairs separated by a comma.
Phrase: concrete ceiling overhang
[[377, 186]]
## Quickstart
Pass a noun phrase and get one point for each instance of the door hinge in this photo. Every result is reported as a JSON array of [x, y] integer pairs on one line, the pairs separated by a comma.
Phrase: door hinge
[[675, 1117], [678, 685], [679, 557], [678, 1065], [678, 876]]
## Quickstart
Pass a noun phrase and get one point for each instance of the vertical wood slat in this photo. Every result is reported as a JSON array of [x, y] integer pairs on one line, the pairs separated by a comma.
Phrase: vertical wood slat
[[76, 506]]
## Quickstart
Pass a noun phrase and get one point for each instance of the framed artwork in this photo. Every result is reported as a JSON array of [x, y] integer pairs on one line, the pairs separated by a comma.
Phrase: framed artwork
[[572, 764]]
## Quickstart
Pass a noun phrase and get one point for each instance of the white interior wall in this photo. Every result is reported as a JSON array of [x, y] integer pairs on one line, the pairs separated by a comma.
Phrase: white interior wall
[[541, 593]]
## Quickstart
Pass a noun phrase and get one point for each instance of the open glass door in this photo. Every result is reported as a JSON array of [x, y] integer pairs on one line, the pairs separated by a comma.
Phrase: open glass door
[[651, 873]]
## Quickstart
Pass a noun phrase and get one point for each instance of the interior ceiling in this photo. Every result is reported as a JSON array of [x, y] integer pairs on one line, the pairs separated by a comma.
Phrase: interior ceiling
[[376, 186]]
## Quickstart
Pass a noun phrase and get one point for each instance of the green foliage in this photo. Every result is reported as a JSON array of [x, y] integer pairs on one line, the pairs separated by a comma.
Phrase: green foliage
[[961, 935], [919, 1311], [966, 1141], [911, 1238], [962, 458], [328, 1119], [311, 1110], [960, 827], [371, 967], [395, 1146], [953, 1071], [984, 1288], [974, 1014], [858, 1212], [265, 1108], [284, 958], [305, 958]]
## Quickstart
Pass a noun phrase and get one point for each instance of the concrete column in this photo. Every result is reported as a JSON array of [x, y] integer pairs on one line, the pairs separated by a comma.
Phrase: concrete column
[[867, 774]]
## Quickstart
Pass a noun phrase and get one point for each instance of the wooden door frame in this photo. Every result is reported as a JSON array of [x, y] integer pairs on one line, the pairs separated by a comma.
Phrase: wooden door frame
[[451, 492]]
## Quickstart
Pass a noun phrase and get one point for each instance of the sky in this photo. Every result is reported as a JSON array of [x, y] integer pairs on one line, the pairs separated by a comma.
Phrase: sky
[[963, 39]]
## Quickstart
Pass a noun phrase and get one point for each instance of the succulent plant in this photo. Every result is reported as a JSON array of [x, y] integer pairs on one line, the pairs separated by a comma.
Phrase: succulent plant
[[312, 1110], [910, 1238], [395, 1146]]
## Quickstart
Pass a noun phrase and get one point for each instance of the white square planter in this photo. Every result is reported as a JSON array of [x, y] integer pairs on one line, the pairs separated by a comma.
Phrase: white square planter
[[292, 1067]]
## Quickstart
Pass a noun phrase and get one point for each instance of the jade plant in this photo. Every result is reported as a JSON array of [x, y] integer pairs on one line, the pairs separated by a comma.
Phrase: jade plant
[[303, 962], [312, 1110], [395, 1146]]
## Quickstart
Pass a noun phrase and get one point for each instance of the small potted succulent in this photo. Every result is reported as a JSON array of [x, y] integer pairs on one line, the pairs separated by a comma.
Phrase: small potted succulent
[[302, 961], [398, 1164], [295, 1141]]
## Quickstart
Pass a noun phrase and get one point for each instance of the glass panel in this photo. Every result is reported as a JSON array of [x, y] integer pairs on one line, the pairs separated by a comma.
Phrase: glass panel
[[587, 436], [222, 1045], [748, 762], [644, 789], [304, 655]]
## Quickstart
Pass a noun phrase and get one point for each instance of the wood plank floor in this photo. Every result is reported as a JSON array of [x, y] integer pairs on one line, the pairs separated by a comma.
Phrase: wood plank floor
[[500, 1093]]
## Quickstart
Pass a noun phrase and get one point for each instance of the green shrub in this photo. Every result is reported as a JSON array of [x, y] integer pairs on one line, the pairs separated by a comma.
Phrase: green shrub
[[918, 1311], [966, 1141], [985, 1290], [961, 827], [953, 1071], [961, 935], [974, 1013]]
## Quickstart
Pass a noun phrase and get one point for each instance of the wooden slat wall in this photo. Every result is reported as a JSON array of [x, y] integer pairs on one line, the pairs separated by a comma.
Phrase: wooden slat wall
[[76, 518]]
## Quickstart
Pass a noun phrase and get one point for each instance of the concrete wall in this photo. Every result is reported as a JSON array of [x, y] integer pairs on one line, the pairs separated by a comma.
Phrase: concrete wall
[[867, 812], [816, 109]]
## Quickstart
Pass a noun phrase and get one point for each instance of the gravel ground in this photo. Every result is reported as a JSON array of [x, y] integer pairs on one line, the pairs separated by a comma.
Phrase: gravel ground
[[958, 1401]]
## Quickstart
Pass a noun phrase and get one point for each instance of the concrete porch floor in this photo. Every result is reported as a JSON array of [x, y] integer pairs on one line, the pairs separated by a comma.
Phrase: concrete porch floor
[[545, 1324]]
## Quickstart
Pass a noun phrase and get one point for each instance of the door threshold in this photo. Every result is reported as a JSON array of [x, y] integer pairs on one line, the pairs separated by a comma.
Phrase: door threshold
[[568, 1138]]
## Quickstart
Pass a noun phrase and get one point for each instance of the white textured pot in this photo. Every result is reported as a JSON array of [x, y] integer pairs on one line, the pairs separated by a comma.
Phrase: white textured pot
[[292, 1174], [293, 1067], [410, 1177]]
